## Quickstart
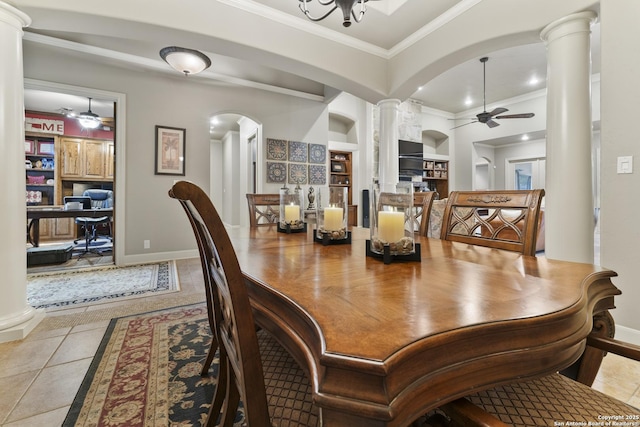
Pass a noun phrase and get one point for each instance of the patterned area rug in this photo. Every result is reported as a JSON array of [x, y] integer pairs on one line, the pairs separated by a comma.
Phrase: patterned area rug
[[62, 289], [146, 372]]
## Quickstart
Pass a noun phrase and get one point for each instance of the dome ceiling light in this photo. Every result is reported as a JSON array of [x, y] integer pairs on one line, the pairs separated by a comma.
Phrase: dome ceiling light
[[345, 5], [88, 119], [187, 61]]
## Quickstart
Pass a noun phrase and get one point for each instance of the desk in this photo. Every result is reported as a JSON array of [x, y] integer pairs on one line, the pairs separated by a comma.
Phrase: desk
[[384, 344], [36, 213]]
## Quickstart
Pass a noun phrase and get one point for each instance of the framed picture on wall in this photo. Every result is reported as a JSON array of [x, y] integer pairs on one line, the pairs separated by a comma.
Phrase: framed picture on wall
[[170, 150]]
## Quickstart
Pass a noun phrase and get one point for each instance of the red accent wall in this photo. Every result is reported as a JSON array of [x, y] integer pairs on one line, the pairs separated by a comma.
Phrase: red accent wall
[[72, 127]]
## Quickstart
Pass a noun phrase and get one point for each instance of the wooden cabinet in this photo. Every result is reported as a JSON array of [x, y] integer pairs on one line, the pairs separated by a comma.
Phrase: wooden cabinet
[[436, 174], [86, 159], [57, 229], [110, 164]]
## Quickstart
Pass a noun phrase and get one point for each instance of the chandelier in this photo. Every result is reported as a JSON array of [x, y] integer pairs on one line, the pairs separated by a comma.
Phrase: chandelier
[[346, 6]]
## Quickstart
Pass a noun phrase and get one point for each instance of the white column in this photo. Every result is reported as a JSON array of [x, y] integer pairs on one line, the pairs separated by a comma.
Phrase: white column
[[388, 150], [17, 318], [569, 208]]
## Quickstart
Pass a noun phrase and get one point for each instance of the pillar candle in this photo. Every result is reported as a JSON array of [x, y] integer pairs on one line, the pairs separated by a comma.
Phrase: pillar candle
[[291, 213], [333, 218], [390, 226]]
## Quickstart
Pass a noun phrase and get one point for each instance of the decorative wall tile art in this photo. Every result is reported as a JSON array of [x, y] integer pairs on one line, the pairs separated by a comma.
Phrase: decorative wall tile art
[[276, 172], [298, 151], [297, 174], [317, 153], [317, 175], [276, 149]]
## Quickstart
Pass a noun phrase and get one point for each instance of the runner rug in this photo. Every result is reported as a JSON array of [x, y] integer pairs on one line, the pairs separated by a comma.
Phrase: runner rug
[[146, 372], [63, 289]]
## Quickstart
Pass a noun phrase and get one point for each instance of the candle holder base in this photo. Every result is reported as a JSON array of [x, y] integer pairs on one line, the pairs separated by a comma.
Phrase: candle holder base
[[287, 228], [326, 240], [388, 258]]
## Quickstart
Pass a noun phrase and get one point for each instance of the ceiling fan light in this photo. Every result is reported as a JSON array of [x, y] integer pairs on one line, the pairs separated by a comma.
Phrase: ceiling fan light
[[186, 61], [89, 119]]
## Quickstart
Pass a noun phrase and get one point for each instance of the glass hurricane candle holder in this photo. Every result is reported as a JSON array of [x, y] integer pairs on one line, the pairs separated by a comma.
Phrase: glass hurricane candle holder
[[331, 214], [391, 228], [291, 211]]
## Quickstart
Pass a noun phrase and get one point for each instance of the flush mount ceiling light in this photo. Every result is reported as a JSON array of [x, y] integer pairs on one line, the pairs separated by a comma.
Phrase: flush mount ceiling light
[[187, 61], [345, 5], [88, 119]]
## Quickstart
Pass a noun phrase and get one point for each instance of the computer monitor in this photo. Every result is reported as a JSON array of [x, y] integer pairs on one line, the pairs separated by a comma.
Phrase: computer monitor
[[83, 200]]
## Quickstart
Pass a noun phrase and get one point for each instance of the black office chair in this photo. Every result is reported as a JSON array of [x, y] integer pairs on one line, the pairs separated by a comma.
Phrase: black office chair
[[99, 199]]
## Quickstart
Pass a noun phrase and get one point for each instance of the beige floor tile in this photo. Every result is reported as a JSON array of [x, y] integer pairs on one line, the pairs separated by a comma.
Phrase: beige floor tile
[[54, 388], [23, 356], [79, 345], [13, 388], [38, 334], [89, 326], [53, 418]]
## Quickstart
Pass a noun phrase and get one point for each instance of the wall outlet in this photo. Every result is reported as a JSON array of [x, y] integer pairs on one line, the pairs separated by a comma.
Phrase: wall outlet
[[147, 244]]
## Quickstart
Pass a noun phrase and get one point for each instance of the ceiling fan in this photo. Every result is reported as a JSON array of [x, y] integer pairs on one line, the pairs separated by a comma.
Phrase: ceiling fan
[[487, 117]]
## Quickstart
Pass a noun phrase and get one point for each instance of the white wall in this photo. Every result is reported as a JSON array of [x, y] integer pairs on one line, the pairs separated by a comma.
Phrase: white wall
[[620, 198], [154, 99], [231, 178]]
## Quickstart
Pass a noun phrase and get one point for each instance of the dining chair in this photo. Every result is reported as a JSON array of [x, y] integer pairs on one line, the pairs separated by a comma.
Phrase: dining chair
[[419, 216], [264, 209], [422, 202], [254, 367], [546, 401], [503, 219]]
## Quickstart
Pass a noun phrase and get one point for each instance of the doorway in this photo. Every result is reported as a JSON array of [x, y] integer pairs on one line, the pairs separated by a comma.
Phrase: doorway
[[525, 174], [58, 102]]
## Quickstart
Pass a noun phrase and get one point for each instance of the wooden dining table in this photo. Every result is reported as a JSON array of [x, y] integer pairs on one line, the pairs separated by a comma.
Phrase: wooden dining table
[[385, 343]]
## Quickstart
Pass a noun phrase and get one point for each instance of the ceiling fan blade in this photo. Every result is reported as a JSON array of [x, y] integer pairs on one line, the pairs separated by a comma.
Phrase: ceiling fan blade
[[492, 123], [464, 124], [465, 118], [498, 110], [516, 116]]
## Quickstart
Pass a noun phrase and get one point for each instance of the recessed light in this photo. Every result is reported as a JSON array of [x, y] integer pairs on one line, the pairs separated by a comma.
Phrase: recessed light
[[533, 81], [468, 101], [525, 137], [419, 88]]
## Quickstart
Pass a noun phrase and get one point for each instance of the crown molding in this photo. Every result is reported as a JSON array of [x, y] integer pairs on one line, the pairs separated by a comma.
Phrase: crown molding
[[335, 36]]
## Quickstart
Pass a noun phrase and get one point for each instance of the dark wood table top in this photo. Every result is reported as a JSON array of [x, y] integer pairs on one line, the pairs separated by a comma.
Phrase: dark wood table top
[[386, 343], [54, 211]]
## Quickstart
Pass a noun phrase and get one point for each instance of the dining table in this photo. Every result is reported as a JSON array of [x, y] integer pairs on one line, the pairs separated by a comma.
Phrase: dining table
[[384, 343]]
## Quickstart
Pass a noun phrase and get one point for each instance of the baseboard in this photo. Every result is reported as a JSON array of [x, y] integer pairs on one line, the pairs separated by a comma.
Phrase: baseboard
[[627, 334], [156, 257]]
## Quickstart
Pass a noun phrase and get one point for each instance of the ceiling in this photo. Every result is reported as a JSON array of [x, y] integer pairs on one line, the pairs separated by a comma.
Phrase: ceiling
[[387, 27]]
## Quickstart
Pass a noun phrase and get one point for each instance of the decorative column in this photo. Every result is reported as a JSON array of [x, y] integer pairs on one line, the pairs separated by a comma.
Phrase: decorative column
[[17, 319], [388, 151], [569, 207]]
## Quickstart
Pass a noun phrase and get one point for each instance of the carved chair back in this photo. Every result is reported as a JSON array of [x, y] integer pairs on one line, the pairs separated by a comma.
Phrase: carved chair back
[[422, 202], [497, 219], [241, 375], [419, 215], [264, 209]]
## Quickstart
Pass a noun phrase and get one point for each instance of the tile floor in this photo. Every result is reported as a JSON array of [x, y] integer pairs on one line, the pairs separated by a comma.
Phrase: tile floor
[[40, 375]]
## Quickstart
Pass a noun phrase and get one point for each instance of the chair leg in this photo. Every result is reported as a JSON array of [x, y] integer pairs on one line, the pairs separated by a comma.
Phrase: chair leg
[[209, 359], [219, 395]]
